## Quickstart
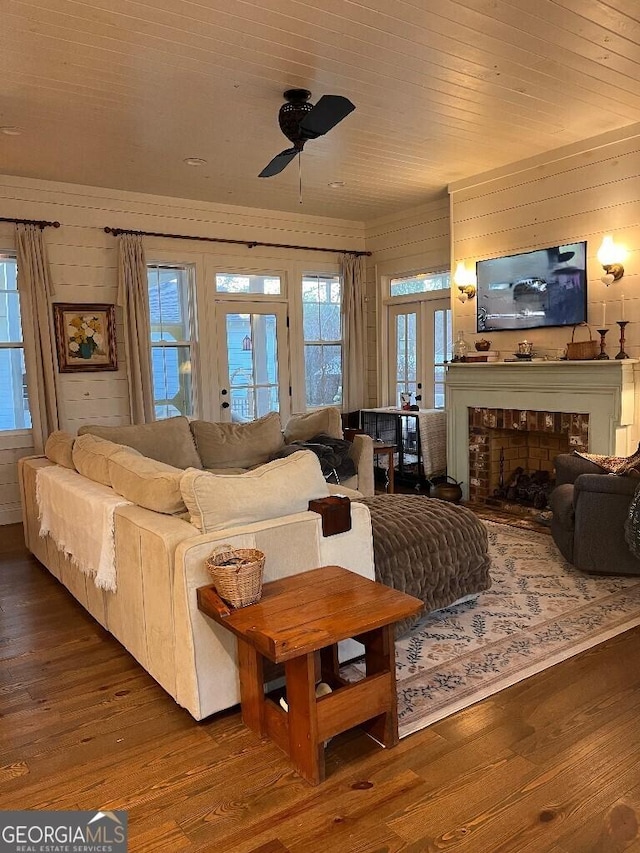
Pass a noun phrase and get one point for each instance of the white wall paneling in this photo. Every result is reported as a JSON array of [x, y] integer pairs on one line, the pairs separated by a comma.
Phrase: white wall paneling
[[415, 241], [578, 193], [83, 262]]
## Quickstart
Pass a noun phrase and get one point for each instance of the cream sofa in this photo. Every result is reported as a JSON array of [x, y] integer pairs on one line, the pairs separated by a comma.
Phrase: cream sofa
[[160, 555]]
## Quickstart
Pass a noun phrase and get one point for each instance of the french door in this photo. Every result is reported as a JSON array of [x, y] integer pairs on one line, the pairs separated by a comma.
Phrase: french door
[[419, 345], [253, 360]]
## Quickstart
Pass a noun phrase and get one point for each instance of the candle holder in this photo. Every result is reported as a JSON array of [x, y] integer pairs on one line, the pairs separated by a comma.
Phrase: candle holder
[[622, 354], [603, 355]]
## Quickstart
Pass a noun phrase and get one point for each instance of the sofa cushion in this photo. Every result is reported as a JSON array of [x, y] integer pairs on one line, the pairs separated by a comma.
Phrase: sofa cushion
[[169, 441], [281, 487], [146, 482], [303, 427], [59, 448], [91, 457], [238, 445]]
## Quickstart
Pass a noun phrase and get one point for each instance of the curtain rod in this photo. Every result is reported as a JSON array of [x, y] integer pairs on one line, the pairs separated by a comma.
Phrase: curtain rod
[[250, 244], [41, 223]]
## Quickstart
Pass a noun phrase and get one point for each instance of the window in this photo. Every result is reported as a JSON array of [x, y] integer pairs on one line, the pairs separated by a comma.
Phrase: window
[[422, 283], [227, 282], [442, 352], [172, 344], [322, 324], [14, 402]]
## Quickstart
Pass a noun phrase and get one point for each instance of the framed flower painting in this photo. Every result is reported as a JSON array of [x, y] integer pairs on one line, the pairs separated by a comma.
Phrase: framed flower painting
[[85, 337]]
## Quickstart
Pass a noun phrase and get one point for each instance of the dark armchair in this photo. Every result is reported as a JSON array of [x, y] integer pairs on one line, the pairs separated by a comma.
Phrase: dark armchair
[[589, 512]]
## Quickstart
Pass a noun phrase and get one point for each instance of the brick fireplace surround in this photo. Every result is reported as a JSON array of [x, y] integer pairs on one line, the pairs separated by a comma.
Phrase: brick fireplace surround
[[510, 438], [594, 405]]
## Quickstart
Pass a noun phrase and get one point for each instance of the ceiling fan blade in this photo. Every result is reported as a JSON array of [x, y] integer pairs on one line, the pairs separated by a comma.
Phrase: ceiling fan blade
[[278, 163], [326, 114]]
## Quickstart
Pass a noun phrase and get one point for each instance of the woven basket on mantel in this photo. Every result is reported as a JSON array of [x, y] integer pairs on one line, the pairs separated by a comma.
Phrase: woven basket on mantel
[[582, 350]]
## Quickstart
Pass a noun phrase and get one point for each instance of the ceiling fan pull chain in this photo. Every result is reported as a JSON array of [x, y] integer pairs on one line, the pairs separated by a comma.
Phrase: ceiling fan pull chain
[[300, 177]]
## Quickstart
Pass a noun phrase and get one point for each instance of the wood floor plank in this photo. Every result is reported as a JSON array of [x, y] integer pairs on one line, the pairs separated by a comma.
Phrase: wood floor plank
[[548, 766]]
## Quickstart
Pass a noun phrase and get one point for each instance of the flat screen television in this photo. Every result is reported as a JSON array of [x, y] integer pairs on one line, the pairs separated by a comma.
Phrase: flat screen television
[[546, 287]]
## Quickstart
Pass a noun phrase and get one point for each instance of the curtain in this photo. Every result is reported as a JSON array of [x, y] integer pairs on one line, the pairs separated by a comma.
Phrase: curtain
[[36, 295], [133, 296], [354, 315]]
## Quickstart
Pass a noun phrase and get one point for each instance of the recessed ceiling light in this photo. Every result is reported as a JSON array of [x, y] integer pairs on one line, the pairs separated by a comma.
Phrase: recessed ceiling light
[[336, 184], [11, 131], [195, 161]]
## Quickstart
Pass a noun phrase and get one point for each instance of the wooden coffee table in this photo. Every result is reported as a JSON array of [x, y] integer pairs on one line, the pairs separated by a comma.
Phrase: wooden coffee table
[[299, 622]]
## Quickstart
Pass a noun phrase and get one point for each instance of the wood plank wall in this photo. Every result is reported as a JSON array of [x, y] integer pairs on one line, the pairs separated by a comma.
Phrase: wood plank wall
[[83, 267], [576, 194], [415, 240]]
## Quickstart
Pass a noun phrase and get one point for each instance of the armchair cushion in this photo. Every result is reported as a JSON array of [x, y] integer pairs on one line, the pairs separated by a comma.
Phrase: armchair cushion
[[570, 465]]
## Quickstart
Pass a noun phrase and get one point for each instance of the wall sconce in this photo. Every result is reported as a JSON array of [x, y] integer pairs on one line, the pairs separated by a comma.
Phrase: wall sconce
[[465, 280], [611, 256]]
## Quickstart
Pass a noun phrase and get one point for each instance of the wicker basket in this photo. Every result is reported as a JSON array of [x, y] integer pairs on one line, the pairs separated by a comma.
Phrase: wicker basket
[[237, 574], [582, 350]]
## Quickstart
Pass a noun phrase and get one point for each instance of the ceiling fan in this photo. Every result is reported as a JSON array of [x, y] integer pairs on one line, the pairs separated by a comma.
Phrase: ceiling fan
[[301, 121]]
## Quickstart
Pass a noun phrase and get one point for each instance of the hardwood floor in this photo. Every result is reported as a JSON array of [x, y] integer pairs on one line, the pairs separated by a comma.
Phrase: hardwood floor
[[551, 765]]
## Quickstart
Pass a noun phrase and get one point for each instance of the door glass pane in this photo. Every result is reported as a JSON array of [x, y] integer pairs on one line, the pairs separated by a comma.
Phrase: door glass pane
[[246, 283], [252, 354], [406, 354], [442, 351]]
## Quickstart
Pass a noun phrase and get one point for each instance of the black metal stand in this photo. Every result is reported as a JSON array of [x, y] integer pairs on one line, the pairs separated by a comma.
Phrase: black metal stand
[[622, 354], [603, 355]]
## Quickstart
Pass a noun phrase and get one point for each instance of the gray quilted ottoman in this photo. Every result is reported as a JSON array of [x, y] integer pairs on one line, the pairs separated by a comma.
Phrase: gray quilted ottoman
[[434, 550]]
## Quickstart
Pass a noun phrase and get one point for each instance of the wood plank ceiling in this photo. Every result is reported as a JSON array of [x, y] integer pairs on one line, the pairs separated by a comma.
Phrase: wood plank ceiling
[[117, 93]]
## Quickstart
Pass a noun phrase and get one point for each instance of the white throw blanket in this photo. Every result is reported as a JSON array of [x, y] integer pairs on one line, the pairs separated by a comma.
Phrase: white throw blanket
[[78, 515]]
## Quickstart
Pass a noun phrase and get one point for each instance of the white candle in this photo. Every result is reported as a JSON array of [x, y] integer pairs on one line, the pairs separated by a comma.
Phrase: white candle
[[622, 301], [604, 314]]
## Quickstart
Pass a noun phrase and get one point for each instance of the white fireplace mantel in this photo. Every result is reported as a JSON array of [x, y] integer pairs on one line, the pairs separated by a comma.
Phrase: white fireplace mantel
[[608, 391]]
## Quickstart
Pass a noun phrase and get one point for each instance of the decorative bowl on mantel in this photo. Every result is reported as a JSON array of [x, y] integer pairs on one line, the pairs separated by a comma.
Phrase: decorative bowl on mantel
[[483, 345], [523, 356]]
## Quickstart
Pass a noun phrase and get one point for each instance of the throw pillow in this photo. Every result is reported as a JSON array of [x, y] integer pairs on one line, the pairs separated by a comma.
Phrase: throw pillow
[[59, 448], [614, 464], [169, 441], [91, 457], [238, 445], [146, 482], [303, 427], [281, 487]]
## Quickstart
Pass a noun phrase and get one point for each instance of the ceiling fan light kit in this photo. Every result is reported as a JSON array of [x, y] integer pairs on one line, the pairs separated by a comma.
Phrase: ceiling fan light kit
[[301, 121]]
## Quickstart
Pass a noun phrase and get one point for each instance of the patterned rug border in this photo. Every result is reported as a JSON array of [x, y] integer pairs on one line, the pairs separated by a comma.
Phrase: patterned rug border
[[494, 684]]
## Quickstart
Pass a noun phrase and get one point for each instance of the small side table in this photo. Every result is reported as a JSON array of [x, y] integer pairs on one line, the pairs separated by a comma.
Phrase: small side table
[[296, 618], [388, 450]]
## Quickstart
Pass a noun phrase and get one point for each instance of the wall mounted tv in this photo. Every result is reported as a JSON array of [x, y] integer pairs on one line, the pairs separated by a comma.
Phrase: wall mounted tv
[[547, 287]]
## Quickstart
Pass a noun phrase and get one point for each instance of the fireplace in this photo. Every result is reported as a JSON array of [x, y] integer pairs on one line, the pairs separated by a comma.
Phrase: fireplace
[[594, 406], [511, 453]]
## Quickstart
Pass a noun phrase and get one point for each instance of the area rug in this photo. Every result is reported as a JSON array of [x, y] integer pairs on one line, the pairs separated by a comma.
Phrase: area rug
[[539, 611]]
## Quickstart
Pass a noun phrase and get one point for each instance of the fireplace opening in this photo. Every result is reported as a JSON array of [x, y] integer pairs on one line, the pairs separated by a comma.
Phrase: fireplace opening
[[511, 453]]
